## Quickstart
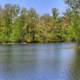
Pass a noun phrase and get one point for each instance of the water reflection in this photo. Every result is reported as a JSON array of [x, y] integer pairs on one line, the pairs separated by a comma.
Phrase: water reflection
[[75, 66], [39, 62]]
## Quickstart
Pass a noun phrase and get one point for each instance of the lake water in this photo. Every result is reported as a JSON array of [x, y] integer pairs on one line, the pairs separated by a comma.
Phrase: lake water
[[39, 62]]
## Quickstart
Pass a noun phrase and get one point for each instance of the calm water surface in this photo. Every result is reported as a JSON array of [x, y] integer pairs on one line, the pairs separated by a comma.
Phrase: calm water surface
[[39, 62]]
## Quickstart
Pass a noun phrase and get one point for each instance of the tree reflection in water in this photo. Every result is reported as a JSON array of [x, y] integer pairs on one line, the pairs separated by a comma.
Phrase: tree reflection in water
[[39, 62], [75, 66]]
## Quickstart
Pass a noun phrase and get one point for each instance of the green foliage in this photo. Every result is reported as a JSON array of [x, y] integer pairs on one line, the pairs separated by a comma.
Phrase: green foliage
[[75, 18], [18, 25]]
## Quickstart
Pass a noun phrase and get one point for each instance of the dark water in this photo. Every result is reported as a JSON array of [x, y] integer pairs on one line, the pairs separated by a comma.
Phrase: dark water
[[39, 62]]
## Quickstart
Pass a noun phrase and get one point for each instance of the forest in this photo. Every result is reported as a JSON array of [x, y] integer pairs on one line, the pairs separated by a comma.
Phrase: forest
[[22, 25]]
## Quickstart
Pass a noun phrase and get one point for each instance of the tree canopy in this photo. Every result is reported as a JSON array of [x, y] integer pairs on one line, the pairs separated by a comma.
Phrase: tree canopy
[[19, 25]]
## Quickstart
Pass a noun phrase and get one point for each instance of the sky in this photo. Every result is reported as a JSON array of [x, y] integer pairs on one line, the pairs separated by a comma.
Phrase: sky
[[41, 6]]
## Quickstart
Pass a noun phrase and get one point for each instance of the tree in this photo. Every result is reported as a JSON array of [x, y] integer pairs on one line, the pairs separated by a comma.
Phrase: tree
[[69, 30], [45, 28], [10, 12], [56, 27], [20, 25], [75, 6], [1, 26], [32, 24]]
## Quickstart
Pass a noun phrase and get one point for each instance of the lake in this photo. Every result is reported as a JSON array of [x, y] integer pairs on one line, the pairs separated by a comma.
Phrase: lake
[[57, 61]]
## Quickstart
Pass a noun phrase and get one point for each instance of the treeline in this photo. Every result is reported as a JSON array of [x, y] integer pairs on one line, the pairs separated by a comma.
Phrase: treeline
[[18, 25]]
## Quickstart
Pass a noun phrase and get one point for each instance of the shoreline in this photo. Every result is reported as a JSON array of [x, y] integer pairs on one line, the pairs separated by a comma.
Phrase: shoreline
[[35, 42]]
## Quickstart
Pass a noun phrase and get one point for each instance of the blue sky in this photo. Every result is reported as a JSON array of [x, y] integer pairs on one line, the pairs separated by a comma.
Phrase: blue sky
[[41, 6]]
